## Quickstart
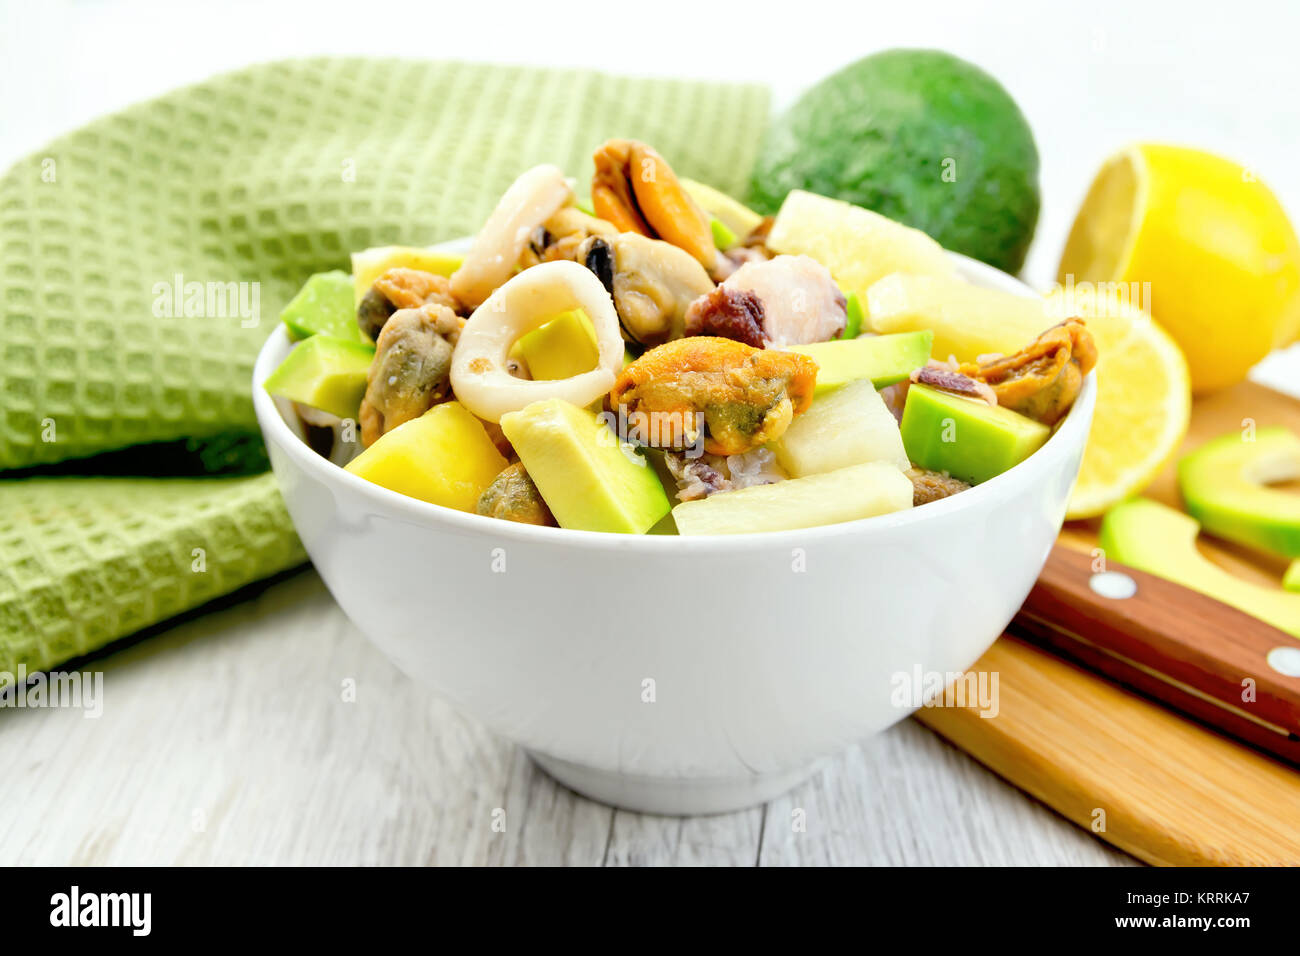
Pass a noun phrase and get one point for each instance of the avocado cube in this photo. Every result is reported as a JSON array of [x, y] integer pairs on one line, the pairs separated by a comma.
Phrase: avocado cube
[[854, 316], [445, 457], [723, 237], [885, 359], [1225, 485], [325, 373], [966, 438], [587, 477], [323, 306]]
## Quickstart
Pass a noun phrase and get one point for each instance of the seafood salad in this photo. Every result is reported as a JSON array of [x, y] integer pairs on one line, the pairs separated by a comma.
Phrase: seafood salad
[[661, 359]]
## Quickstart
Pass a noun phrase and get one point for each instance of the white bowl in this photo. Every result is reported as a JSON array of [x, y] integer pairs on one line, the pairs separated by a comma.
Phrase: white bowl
[[672, 674]]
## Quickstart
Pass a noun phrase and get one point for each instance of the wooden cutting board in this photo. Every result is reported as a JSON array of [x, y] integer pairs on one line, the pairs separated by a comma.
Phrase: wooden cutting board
[[1161, 787]]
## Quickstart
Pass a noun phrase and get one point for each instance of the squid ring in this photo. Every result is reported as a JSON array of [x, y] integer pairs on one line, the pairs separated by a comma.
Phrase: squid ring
[[533, 198], [529, 300]]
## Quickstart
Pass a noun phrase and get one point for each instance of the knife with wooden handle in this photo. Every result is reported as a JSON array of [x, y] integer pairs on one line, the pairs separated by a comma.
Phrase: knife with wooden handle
[[1195, 654]]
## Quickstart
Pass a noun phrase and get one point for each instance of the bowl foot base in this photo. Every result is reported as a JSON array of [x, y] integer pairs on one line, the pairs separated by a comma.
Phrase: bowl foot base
[[680, 796]]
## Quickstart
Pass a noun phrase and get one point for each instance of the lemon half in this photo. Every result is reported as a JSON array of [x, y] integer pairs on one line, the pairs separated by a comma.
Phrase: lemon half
[[1202, 245], [1143, 405]]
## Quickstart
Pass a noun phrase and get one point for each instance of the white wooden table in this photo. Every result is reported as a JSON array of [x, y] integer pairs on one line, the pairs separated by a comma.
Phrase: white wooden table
[[227, 739]]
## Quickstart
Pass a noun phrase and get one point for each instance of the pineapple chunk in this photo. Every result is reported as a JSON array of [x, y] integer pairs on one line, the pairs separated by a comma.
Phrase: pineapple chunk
[[850, 426], [861, 491], [968, 321], [733, 215], [369, 264], [445, 456], [858, 246]]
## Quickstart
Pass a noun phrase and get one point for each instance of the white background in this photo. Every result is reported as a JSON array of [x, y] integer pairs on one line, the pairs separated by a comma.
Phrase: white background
[[1091, 77]]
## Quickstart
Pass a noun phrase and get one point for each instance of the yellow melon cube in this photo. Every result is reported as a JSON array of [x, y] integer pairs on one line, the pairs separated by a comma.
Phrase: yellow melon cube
[[369, 264], [562, 348], [445, 456]]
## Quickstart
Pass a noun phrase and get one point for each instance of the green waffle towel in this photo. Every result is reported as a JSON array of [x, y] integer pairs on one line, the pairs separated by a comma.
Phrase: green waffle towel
[[262, 177]]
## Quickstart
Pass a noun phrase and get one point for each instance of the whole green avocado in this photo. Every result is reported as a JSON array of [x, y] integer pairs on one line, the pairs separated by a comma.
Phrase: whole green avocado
[[920, 136]]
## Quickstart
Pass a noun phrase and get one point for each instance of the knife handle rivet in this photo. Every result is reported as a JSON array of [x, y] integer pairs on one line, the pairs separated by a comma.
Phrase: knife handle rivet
[[1285, 660], [1113, 584]]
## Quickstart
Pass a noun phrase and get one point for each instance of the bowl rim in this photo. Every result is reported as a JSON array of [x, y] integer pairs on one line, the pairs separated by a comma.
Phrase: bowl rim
[[1073, 428]]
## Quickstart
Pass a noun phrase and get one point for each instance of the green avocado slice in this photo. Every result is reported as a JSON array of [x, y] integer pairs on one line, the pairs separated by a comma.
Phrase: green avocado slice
[[1160, 540], [1225, 486]]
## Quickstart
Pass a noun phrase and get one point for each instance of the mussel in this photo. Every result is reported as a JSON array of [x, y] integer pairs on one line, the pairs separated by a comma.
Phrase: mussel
[[652, 283]]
